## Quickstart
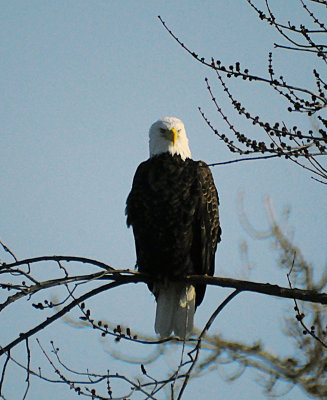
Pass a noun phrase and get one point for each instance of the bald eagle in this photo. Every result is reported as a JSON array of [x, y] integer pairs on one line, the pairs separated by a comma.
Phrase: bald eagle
[[173, 209]]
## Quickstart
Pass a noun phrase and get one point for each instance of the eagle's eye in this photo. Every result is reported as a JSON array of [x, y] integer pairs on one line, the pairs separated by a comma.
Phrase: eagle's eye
[[162, 130]]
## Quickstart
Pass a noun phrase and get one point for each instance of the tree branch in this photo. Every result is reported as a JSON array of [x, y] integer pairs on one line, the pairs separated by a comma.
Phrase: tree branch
[[132, 276], [263, 288], [49, 320]]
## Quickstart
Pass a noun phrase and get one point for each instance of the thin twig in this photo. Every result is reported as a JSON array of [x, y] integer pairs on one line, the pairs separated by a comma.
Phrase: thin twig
[[198, 346], [49, 320], [299, 315], [7, 250], [4, 370], [28, 368]]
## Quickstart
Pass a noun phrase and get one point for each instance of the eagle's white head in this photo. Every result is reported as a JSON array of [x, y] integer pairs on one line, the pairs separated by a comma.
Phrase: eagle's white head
[[168, 135]]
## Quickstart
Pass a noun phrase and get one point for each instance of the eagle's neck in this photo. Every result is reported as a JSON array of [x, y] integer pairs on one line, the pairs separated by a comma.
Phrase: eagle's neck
[[160, 146]]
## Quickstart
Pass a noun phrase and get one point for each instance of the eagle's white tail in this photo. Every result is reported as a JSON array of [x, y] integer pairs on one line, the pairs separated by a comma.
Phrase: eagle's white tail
[[175, 309]]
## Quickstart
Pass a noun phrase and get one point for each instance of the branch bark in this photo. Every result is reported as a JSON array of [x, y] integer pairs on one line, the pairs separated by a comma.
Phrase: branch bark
[[263, 288], [132, 276]]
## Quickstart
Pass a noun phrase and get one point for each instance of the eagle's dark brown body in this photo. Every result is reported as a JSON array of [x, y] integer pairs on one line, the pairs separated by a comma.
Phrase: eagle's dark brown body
[[173, 208]]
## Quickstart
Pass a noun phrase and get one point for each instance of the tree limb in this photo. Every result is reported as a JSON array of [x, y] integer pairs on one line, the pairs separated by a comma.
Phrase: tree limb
[[132, 276]]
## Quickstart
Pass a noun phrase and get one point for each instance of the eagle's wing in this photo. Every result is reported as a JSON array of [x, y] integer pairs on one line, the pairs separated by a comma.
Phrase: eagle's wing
[[138, 209], [207, 231]]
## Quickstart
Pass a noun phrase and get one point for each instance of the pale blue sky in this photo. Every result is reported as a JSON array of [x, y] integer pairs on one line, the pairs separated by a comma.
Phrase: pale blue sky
[[81, 83]]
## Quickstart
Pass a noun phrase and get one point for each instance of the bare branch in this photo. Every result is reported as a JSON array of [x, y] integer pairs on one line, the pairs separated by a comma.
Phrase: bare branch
[[49, 320], [197, 348]]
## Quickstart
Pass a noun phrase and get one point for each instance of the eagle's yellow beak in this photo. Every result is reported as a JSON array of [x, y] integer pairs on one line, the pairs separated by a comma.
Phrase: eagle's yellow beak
[[173, 135]]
